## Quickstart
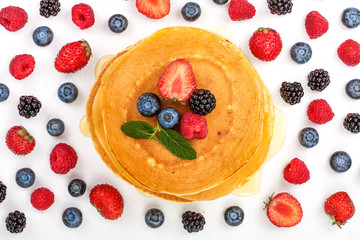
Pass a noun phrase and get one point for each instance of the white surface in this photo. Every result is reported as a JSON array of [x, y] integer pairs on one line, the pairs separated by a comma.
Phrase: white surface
[[45, 81]]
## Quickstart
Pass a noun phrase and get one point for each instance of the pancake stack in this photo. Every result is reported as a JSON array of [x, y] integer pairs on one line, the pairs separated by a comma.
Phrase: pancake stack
[[240, 127]]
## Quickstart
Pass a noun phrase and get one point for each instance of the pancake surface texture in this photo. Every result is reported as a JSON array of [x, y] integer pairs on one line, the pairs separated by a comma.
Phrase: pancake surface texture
[[240, 127]]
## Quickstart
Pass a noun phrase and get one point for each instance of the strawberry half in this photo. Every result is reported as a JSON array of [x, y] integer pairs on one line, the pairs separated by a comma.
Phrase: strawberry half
[[177, 82], [19, 141], [284, 210], [153, 8]]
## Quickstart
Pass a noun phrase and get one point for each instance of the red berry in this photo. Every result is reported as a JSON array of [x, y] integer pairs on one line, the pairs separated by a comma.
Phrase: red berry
[[63, 158], [339, 207], [153, 8], [265, 44], [13, 18], [42, 198], [22, 66], [284, 210], [241, 10], [19, 140], [107, 200], [73, 56], [296, 172], [177, 82], [349, 52], [320, 112], [193, 126], [316, 25], [83, 15]]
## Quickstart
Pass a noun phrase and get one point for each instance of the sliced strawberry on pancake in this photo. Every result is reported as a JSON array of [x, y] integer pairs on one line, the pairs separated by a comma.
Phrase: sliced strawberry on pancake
[[177, 82]]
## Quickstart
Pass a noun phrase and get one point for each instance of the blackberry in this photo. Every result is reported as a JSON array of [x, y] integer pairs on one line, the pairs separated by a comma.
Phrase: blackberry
[[15, 222], [291, 92], [193, 222], [49, 8], [319, 79], [352, 122], [280, 7], [2, 192], [202, 102], [29, 106]]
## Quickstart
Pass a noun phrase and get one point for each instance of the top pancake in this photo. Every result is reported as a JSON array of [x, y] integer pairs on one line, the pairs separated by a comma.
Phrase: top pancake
[[234, 126]]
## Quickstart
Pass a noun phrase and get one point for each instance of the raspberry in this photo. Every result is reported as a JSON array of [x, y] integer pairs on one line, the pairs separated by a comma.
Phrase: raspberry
[[296, 172], [316, 25], [13, 18], [349, 52], [241, 10], [62, 158], [193, 126], [22, 66], [319, 111], [42, 198], [83, 15]]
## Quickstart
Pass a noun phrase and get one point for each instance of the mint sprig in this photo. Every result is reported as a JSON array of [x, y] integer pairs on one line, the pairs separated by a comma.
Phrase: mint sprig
[[171, 140], [138, 130]]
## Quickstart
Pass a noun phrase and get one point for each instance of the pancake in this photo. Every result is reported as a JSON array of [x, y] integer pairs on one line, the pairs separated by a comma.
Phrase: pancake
[[96, 129], [240, 128]]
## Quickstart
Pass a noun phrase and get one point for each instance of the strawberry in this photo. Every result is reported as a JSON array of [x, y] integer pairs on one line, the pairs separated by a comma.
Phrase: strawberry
[[265, 44], [316, 25], [320, 112], [284, 210], [153, 8], [296, 172], [19, 140], [340, 208], [73, 57], [241, 10], [177, 82], [107, 200], [349, 52]]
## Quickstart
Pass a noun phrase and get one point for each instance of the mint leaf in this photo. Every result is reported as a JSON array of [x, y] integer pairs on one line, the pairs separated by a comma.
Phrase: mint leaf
[[177, 144], [138, 130]]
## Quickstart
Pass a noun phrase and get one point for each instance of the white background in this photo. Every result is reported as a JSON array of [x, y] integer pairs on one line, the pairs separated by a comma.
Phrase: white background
[[45, 80]]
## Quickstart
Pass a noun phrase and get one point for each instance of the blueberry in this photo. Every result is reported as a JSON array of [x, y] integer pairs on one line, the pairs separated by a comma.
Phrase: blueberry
[[308, 137], [340, 161], [353, 89], [25, 177], [43, 36], [234, 216], [118, 23], [351, 17], [77, 187], [148, 104], [68, 92], [55, 127], [169, 118], [72, 217], [154, 218], [301, 52], [220, 2], [4, 92], [191, 11]]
